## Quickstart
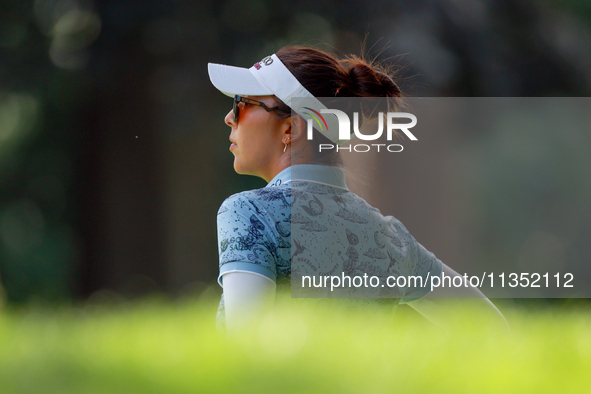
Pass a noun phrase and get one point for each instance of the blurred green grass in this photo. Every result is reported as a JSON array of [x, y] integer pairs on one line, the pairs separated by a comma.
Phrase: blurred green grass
[[157, 346]]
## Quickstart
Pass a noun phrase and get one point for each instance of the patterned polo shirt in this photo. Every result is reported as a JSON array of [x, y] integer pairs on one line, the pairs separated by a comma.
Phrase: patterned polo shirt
[[307, 223]]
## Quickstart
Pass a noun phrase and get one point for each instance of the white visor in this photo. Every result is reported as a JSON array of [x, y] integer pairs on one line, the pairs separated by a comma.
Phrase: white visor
[[269, 77], [233, 81]]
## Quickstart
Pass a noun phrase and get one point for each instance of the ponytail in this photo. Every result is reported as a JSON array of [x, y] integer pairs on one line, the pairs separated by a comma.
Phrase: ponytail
[[323, 75]]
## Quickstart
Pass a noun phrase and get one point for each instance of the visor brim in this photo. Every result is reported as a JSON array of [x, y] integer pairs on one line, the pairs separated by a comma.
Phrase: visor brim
[[233, 81]]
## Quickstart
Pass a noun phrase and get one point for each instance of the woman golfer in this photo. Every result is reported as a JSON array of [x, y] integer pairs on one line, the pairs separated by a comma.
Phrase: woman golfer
[[305, 223]]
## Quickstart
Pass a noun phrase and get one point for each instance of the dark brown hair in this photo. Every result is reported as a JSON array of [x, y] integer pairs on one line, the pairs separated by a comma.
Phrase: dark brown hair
[[323, 75]]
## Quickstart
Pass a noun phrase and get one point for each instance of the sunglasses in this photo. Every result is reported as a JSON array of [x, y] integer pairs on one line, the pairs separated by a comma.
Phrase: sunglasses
[[247, 100]]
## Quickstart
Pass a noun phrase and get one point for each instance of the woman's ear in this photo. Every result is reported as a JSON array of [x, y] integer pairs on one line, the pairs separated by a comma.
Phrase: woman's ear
[[297, 128]]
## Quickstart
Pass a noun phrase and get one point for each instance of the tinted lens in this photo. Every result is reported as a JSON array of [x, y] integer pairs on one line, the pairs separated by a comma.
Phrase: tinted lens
[[235, 109]]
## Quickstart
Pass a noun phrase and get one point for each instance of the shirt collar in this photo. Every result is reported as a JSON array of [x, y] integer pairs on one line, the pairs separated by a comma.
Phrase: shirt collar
[[326, 175]]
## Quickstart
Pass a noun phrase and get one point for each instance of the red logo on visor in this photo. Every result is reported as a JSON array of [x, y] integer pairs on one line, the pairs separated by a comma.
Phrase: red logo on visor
[[257, 65]]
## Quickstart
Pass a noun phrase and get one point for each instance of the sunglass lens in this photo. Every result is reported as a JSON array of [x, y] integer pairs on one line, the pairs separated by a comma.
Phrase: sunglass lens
[[235, 109]]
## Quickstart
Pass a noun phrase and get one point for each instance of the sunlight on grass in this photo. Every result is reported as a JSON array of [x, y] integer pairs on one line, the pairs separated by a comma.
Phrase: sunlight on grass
[[164, 347]]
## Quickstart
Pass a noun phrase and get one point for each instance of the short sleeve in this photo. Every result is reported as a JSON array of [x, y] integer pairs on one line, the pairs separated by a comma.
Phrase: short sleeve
[[245, 239], [427, 266]]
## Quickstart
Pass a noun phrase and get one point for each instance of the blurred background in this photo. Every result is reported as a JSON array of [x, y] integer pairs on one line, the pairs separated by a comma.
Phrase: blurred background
[[114, 155]]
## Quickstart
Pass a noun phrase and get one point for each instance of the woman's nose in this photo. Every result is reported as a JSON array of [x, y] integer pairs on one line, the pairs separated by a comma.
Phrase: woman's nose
[[229, 119]]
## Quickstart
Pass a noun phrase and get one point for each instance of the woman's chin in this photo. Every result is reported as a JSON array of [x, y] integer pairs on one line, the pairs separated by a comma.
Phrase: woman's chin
[[238, 168], [241, 170]]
